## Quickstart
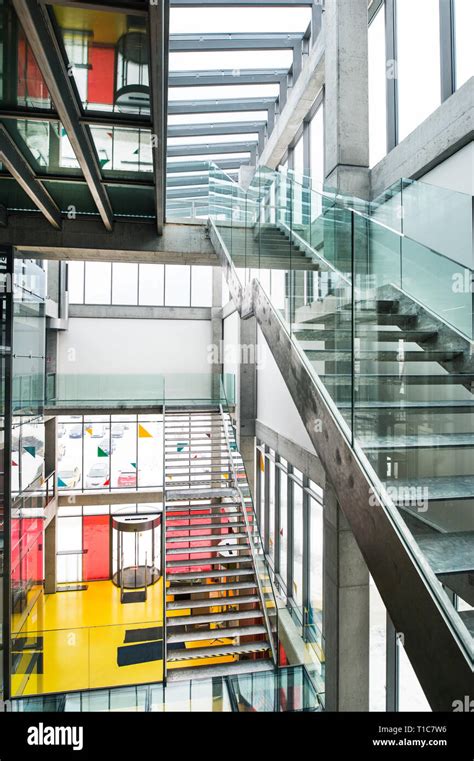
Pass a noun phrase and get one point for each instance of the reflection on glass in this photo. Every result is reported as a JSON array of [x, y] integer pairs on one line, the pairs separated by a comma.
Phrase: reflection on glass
[[297, 591]]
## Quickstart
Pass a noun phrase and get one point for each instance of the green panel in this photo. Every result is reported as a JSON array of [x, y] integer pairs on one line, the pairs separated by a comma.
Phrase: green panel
[[132, 201], [72, 197], [13, 197]]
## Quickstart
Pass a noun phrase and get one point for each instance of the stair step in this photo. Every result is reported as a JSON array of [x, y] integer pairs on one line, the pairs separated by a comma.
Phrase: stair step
[[213, 634], [213, 618], [173, 513], [384, 355], [188, 494], [203, 538], [190, 653], [208, 548], [217, 525], [382, 334], [191, 588], [189, 562], [218, 670], [222, 602]]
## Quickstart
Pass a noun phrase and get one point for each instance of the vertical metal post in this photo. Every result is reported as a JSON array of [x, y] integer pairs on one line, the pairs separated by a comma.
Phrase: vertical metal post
[[391, 73]]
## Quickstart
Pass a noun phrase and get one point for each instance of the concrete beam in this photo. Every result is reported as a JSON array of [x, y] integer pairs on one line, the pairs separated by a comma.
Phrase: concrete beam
[[180, 243], [181, 43], [226, 105], [299, 101], [217, 128], [215, 149], [443, 133], [109, 312], [306, 461], [226, 77], [110, 498]]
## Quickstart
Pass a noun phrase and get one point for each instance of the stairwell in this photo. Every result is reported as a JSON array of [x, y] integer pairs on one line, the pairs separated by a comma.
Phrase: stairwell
[[216, 612]]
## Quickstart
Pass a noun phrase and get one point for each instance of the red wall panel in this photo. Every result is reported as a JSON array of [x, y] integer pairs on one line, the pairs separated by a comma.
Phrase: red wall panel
[[96, 540], [100, 87]]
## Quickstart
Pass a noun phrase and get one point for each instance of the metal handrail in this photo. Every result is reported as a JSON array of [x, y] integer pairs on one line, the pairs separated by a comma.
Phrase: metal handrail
[[252, 549], [163, 554]]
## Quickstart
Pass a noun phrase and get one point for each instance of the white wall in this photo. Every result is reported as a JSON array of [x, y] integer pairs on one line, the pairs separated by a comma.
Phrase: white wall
[[275, 407], [456, 173], [114, 346]]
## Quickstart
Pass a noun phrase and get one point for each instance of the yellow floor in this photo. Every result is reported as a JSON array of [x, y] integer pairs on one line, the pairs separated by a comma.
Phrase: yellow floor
[[78, 633]]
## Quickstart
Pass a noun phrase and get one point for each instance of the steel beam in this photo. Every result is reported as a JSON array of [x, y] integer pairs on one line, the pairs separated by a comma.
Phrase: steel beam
[[158, 22], [228, 105], [205, 43], [204, 149], [92, 118], [179, 193], [199, 166], [241, 3], [15, 162], [46, 50], [223, 128], [226, 77]]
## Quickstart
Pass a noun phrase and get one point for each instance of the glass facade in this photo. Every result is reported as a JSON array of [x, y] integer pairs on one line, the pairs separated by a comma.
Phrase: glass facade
[[139, 284]]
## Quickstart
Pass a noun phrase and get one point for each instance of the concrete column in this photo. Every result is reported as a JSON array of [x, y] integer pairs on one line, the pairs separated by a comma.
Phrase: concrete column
[[247, 397], [347, 96], [345, 614]]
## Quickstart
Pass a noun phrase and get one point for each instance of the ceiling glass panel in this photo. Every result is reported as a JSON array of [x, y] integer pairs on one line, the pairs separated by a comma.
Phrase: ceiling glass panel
[[223, 91], [123, 149], [231, 59], [21, 82], [132, 202], [214, 118], [73, 198], [45, 146], [108, 57], [221, 19]]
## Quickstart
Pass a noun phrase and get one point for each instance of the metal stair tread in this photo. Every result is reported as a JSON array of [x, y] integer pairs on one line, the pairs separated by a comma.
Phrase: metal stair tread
[[217, 525], [188, 576], [204, 537], [208, 548], [217, 650], [213, 618], [213, 634], [219, 670], [189, 562], [207, 602]]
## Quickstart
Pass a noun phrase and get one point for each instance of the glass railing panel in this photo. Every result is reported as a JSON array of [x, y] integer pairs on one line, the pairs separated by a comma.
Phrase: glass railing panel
[[441, 284], [288, 689], [84, 658]]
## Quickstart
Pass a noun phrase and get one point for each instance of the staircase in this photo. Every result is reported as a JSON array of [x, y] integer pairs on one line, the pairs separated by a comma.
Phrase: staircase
[[386, 369], [216, 612]]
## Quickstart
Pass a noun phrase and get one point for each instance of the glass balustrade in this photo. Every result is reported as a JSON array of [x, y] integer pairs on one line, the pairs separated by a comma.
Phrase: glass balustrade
[[384, 323]]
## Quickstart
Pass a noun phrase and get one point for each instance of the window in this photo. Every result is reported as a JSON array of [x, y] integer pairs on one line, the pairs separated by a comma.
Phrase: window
[[463, 26], [201, 286], [411, 696], [124, 283], [152, 283], [315, 563], [317, 148], [98, 282], [75, 280], [377, 88], [177, 285], [271, 511], [418, 62], [297, 591], [283, 527]]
